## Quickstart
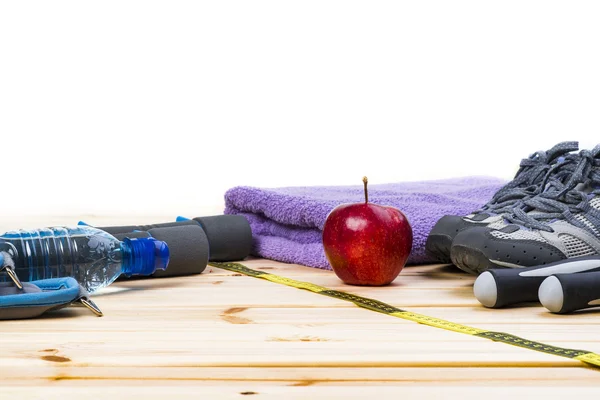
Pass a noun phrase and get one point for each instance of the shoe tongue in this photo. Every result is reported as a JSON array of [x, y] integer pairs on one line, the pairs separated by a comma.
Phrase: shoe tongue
[[584, 187], [588, 187]]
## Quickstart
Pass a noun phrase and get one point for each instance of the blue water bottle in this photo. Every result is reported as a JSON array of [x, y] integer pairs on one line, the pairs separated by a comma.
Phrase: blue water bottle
[[91, 256]]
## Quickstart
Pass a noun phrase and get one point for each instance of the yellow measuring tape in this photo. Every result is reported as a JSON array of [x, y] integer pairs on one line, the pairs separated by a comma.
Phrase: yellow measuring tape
[[378, 306]]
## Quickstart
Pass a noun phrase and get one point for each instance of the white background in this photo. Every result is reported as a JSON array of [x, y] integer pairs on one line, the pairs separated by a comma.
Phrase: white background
[[158, 107]]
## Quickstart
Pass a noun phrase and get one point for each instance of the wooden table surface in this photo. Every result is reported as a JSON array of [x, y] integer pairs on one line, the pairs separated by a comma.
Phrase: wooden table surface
[[225, 335]]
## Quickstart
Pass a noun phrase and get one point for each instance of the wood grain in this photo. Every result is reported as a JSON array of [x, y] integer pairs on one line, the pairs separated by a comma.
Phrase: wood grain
[[223, 335]]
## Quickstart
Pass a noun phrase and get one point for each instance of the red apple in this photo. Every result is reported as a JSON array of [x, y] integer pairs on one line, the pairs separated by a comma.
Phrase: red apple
[[367, 244]]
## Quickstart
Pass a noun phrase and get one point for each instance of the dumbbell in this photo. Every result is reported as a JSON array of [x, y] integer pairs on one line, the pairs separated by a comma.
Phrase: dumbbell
[[563, 294], [496, 288], [193, 242]]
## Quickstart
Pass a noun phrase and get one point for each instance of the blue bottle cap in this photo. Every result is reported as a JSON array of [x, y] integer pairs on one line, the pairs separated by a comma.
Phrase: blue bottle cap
[[144, 256]]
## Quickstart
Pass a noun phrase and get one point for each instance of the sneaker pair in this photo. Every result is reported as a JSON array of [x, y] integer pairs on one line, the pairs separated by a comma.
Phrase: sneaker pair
[[549, 218], [526, 183]]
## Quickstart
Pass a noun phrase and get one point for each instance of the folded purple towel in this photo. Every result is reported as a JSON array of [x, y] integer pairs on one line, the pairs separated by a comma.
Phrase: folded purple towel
[[287, 223]]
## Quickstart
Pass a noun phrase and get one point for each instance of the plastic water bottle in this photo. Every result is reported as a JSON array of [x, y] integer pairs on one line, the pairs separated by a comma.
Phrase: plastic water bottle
[[91, 256]]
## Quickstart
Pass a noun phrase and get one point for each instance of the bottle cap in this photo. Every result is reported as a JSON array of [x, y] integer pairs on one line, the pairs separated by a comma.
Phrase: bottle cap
[[144, 256]]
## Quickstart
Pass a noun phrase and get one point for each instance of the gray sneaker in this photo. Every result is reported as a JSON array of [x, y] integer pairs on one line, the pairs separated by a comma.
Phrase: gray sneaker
[[526, 183], [563, 221]]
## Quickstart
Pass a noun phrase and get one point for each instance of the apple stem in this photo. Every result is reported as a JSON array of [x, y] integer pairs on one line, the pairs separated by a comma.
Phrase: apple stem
[[365, 181]]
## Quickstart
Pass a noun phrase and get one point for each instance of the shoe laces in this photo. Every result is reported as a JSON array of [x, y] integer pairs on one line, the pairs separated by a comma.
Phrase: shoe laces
[[567, 189], [527, 182]]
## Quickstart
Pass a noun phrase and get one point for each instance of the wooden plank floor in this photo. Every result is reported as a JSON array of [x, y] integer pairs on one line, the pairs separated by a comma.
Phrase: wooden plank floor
[[223, 335]]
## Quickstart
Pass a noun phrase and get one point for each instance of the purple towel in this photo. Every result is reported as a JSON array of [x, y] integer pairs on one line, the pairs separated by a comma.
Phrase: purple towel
[[287, 223]]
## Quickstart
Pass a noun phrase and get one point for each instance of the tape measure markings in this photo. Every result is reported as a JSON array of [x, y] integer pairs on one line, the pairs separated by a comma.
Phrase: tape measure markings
[[585, 356]]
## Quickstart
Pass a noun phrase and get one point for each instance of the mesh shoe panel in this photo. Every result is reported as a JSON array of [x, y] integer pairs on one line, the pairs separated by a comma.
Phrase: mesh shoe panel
[[521, 234], [595, 202], [581, 218], [497, 225], [575, 246]]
